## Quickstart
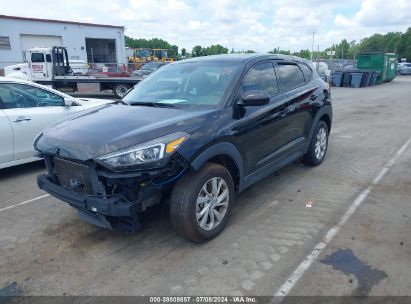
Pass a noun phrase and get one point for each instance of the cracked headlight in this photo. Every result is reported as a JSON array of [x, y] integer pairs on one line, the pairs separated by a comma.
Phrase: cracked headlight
[[146, 153]]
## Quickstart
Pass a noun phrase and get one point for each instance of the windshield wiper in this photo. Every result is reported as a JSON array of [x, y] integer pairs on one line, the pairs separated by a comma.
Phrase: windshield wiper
[[152, 104]]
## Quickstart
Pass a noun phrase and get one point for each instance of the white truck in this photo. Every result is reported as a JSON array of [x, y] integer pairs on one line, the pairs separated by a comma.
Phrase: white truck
[[51, 67]]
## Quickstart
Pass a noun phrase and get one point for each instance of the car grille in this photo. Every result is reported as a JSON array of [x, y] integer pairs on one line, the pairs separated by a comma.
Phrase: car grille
[[74, 176]]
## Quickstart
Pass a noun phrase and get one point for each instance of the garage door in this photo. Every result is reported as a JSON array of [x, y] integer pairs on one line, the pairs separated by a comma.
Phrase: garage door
[[29, 41]]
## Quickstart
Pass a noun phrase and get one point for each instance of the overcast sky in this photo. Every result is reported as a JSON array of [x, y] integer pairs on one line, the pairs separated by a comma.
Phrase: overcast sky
[[239, 24]]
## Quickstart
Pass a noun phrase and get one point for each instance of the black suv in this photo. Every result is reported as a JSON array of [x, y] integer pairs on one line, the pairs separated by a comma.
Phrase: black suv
[[194, 133]]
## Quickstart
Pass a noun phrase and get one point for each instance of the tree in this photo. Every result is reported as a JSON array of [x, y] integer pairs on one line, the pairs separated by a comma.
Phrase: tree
[[278, 51], [380, 43], [404, 45], [342, 49], [352, 51], [215, 49], [284, 52], [197, 51], [303, 54], [174, 50], [154, 43]]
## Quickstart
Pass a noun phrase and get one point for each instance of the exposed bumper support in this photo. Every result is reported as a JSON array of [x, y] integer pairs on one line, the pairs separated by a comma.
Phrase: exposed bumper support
[[113, 212]]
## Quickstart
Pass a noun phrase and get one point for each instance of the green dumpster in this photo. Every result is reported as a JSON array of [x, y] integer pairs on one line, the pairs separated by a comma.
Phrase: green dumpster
[[385, 64]]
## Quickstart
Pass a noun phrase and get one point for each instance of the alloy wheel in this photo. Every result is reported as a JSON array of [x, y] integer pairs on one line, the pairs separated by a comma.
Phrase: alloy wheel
[[212, 203], [320, 143]]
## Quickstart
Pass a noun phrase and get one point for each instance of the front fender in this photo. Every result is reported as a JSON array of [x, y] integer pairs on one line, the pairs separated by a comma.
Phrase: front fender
[[222, 148]]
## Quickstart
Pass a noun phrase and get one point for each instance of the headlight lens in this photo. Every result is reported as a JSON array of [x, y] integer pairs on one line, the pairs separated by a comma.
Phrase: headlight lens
[[149, 152]]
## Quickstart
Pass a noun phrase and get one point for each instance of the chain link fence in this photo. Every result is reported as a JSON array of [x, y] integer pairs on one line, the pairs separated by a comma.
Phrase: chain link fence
[[339, 64]]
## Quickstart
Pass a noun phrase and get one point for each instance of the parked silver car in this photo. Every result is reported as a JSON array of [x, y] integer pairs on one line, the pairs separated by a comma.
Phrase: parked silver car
[[148, 68], [404, 68]]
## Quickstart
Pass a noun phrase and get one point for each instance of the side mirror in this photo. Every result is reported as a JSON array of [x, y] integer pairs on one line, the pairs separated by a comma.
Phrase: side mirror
[[255, 98], [69, 102]]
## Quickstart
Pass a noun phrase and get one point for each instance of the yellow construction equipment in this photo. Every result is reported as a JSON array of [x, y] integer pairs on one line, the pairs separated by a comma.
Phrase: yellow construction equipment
[[143, 55], [161, 54], [140, 56]]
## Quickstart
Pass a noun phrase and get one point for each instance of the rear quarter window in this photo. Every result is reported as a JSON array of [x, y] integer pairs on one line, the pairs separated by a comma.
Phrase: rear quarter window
[[308, 73], [291, 76]]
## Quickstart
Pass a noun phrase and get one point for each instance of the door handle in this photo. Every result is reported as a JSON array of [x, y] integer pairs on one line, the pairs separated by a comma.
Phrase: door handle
[[21, 118]]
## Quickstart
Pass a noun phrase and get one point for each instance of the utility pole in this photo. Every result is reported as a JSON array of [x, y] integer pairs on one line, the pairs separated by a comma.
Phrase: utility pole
[[318, 59], [312, 47]]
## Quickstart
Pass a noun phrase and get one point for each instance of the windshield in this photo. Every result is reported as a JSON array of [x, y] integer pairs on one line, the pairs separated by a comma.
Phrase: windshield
[[185, 84]]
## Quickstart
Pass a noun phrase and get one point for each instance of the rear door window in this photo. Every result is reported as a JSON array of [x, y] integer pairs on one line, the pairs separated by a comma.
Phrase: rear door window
[[291, 76], [261, 77]]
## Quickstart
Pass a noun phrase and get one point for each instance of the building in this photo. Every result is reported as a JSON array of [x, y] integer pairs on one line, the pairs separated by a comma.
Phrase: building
[[84, 41]]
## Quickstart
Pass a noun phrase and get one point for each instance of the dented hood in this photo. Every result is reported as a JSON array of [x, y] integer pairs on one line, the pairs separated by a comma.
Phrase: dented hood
[[111, 127]]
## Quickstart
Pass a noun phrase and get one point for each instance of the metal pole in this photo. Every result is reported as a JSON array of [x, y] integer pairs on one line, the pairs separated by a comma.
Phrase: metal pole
[[318, 58], [312, 47]]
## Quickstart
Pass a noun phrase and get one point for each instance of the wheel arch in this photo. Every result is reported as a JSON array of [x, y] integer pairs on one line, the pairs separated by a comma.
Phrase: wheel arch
[[324, 114], [327, 119], [225, 154]]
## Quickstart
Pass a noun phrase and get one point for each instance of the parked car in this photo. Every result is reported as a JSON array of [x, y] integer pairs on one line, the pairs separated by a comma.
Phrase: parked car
[[404, 68], [148, 68], [349, 67], [26, 108], [197, 132]]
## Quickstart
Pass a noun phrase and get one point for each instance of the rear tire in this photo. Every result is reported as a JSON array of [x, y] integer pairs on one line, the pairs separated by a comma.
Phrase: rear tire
[[121, 89], [201, 202], [318, 145]]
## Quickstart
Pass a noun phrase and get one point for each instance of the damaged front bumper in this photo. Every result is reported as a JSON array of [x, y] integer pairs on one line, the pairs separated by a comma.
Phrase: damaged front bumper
[[107, 199], [113, 212]]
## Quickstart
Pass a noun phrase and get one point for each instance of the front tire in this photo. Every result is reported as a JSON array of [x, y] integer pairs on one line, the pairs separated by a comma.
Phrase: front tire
[[201, 202], [318, 145]]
